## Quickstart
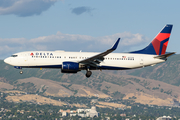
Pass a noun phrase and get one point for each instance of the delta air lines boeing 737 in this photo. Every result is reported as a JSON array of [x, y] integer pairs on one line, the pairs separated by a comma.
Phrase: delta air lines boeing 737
[[73, 62]]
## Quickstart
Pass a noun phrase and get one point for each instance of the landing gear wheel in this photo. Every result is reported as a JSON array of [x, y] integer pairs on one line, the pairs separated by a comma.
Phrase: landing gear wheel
[[21, 72], [88, 74]]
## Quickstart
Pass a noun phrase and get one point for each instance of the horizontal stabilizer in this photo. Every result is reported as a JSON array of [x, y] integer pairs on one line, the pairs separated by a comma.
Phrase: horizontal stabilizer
[[165, 55]]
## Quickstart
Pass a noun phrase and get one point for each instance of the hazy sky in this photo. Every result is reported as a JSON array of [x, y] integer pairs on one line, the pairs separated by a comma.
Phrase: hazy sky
[[87, 25]]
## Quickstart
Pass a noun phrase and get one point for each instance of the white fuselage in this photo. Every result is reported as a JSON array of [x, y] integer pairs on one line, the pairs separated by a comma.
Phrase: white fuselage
[[54, 59]]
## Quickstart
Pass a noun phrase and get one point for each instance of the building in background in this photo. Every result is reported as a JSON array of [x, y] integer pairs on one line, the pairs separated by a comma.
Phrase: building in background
[[164, 118], [81, 112]]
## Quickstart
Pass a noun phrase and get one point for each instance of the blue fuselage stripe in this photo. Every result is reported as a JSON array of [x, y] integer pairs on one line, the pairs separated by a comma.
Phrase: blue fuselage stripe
[[60, 66]]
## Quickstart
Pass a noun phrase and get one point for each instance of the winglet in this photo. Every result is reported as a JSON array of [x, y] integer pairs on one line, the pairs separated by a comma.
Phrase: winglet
[[115, 45]]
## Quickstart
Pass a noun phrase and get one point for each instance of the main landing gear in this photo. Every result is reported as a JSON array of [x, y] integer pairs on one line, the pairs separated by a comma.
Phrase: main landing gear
[[19, 67], [21, 72], [88, 73]]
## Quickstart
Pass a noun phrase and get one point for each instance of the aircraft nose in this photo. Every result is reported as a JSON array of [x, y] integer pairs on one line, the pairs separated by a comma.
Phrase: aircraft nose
[[7, 60]]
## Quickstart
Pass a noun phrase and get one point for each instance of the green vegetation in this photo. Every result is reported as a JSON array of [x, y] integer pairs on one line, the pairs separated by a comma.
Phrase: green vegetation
[[168, 92], [24, 110], [118, 95], [135, 79], [105, 91], [162, 90], [27, 87], [155, 88], [133, 97]]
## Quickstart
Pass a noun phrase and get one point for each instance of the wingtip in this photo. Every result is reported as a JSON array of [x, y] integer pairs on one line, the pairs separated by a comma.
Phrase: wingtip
[[115, 45]]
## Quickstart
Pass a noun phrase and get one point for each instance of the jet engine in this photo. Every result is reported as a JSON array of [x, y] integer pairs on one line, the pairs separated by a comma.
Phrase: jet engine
[[70, 67]]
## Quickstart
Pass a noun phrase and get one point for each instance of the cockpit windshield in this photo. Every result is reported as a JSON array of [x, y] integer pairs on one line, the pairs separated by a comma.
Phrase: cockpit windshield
[[14, 55]]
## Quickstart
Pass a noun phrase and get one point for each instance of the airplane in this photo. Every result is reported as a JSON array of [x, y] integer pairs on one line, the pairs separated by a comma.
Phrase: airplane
[[73, 62]]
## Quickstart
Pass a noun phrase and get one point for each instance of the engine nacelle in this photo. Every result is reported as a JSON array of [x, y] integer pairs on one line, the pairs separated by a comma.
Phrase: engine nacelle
[[70, 67]]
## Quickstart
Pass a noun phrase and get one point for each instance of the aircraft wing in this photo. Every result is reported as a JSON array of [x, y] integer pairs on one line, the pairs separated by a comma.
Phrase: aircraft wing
[[94, 60]]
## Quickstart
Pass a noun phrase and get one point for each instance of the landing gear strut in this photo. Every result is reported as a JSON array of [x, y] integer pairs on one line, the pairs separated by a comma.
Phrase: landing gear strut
[[88, 73]]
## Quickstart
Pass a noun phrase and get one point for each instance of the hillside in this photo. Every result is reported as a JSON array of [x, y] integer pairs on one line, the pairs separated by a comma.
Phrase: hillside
[[167, 72], [145, 91], [151, 85]]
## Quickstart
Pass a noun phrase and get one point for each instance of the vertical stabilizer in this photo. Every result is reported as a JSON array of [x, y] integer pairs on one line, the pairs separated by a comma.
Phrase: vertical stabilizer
[[159, 43]]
